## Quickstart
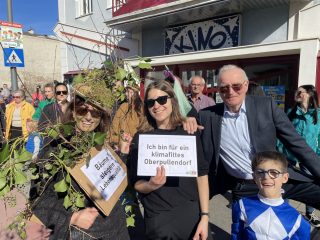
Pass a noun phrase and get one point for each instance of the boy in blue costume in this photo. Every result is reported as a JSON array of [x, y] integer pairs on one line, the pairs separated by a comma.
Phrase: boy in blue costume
[[34, 141], [267, 215]]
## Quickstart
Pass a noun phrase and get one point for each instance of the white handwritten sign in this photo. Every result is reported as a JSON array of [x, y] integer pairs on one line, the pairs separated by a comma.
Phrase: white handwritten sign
[[105, 173], [178, 154]]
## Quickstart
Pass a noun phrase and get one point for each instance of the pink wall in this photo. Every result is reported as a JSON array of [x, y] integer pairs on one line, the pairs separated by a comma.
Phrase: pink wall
[[134, 5]]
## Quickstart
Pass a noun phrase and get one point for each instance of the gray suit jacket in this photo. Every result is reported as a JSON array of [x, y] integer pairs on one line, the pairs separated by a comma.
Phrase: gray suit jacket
[[266, 123]]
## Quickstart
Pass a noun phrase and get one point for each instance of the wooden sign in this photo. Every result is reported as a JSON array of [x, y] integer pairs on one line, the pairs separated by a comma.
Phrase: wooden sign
[[103, 179]]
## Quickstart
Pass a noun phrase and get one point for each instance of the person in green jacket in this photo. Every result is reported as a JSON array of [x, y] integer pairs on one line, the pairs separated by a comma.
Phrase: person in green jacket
[[49, 98], [305, 117]]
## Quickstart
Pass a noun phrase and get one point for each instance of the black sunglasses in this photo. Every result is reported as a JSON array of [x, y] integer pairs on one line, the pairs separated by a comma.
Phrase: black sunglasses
[[161, 100], [61, 92], [273, 173], [83, 110], [236, 87]]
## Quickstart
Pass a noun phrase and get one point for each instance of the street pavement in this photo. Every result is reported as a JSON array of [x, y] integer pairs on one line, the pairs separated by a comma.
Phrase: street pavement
[[220, 217]]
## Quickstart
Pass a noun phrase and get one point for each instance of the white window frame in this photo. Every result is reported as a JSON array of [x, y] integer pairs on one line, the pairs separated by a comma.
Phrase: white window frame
[[85, 7]]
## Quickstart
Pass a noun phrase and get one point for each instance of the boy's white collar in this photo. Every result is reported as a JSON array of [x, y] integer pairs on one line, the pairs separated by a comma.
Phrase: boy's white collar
[[271, 201]]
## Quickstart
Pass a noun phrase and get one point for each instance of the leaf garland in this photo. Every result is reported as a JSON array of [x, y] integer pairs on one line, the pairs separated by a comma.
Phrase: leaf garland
[[15, 160]]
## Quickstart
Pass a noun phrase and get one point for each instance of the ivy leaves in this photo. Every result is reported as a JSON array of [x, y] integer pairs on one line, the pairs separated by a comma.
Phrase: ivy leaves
[[121, 71], [64, 157], [72, 198], [4, 188], [144, 63], [61, 186], [4, 153], [12, 168], [130, 215], [99, 138]]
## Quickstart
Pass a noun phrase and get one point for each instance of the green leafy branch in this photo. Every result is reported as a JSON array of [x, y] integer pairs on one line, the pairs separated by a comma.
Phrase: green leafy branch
[[12, 162], [73, 198], [64, 158]]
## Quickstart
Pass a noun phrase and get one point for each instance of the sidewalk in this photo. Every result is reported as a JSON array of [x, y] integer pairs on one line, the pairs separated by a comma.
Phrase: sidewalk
[[220, 218]]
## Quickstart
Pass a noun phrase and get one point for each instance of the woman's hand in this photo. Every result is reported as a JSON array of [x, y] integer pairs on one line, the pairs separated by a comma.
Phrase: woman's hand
[[84, 218], [154, 183], [125, 142], [159, 179], [202, 229]]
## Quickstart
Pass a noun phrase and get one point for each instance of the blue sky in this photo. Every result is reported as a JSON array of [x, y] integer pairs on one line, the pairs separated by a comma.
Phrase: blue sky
[[40, 15]]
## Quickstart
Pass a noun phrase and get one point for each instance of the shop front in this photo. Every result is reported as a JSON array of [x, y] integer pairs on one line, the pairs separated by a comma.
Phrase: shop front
[[279, 68]]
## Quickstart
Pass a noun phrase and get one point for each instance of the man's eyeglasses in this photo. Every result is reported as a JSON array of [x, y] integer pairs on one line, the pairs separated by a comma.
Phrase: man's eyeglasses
[[83, 110], [61, 92], [273, 173], [299, 92], [236, 87], [196, 85], [161, 100], [16, 97]]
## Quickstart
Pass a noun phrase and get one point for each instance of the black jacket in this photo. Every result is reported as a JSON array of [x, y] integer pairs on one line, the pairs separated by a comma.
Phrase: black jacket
[[266, 122]]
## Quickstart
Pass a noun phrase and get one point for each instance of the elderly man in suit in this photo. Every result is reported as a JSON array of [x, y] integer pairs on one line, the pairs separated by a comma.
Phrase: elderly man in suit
[[243, 125]]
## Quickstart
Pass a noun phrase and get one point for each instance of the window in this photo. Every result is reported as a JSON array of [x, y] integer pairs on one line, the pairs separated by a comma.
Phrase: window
[[85, 7], [109, 4]]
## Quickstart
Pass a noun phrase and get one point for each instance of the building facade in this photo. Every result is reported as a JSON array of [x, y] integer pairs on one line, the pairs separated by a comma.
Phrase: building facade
[[275, 41], [86, 41], [42, 62]]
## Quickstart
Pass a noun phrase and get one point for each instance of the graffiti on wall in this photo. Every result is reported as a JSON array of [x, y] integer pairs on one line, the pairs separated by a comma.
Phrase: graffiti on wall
[[211, 34]]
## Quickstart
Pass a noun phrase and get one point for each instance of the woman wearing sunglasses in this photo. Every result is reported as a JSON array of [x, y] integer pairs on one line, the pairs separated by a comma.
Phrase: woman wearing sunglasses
[[88, 116], [17, 113], [174, 207], [305, 117]]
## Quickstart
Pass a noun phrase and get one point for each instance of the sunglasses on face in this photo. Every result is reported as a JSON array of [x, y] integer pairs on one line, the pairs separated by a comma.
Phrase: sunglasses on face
[[83, 110], [236, 87], [61, 92], [272, 173], [161, 100], [16, 97]]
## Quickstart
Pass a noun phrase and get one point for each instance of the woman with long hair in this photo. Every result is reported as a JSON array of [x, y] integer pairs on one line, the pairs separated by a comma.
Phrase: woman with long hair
[[85, 222], [305, 117], [174, 207], [17, 113], [128, 116]]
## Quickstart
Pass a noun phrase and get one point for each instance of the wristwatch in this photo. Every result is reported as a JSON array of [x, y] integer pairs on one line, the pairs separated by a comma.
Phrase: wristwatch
[[123, 155]]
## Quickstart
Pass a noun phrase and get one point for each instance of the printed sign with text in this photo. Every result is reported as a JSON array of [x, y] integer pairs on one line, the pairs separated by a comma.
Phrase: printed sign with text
[[11, 35], [105, 173], [178, 154]]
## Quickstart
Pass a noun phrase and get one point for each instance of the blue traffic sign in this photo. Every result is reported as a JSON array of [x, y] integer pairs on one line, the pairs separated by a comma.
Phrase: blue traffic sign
[[13, 57]]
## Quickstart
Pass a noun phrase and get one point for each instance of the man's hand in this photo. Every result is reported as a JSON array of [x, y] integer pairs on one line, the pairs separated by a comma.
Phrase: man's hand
[[191, 126]]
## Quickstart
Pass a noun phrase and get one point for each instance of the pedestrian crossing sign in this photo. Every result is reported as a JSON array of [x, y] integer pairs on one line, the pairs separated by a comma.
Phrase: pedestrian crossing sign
[[13, 57]]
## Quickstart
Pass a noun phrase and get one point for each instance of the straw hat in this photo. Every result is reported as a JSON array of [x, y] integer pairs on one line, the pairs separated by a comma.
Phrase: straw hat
[[95, 92]]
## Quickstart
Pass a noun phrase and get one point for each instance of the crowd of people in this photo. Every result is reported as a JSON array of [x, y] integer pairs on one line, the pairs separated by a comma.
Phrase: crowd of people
[[246, 145]]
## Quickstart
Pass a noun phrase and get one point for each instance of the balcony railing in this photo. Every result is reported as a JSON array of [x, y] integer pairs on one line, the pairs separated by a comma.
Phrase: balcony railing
[[120, 7]]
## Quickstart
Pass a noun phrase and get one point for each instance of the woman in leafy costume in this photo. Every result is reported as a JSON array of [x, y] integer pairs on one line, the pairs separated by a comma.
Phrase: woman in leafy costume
[[63, 207]]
